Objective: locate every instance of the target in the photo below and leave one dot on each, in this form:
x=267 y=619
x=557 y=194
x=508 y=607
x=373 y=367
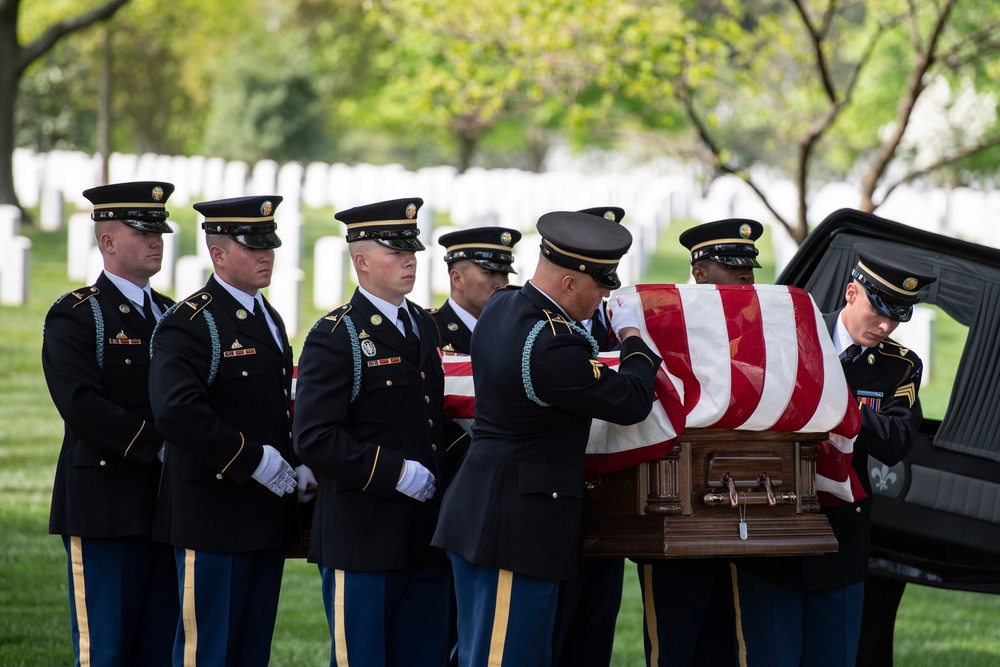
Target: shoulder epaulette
x=432 y=311
x=337 y=316
x=80 y=295
x=891 y=348
x=193 y=305
x=558 y=323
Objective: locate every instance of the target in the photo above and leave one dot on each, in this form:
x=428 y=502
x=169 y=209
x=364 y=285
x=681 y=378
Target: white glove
x=622 y=314
x=305 y=483
x=417 y=481
x=274 y=472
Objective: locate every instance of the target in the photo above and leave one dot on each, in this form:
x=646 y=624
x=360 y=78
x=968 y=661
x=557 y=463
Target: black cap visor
x=608 y=279
x=490 y=265
x=149 y=226
x=738 y=261
x=258 y=241
x=896 y=312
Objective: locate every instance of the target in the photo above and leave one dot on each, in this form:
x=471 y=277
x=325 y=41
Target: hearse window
x=964 y=308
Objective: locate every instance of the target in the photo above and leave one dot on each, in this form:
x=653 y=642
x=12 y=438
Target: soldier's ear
x=699 y=274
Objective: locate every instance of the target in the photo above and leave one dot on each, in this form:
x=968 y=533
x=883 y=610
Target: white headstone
x=190 y=275
x=264 y=179
x=234 y=180
x=123 y=167
x=28 y=169
x=440 y=279
x=289 y=221
x=79 y=242
x=314 y=192
x=329 y=255
x=16 y=256
x=50 y=214
x=284 y=296
x=163 y=281
x=289 y=184
x=211 y=188
x=10 y=223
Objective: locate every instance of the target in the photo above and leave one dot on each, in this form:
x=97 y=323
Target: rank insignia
x=242 y=352
x=383 y=362
x=241 y=314
x=376 y=320
x=124 y=309
x=368 y=347
x=452 y=326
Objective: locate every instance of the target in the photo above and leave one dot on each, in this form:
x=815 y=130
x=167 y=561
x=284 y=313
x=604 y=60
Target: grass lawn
x=935 y=627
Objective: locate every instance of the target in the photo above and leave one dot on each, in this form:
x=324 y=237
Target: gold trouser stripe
x=741 y=644
x=649 y=604
x=501 y=616
x=135 y=437
x=187 y=612
x=80 y=599
x=340 y=632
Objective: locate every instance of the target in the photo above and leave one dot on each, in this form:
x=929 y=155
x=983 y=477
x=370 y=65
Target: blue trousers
x=228 y=605
x=122 y=600
x=586 y=614
x=688 y=611
x=388 y=619
x=787 y=626
x=505 y=619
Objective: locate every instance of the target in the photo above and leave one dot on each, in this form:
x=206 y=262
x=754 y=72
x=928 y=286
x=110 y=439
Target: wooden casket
x=691 y=501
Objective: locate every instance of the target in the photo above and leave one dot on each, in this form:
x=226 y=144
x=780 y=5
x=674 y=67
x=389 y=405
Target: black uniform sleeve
x=888 y=434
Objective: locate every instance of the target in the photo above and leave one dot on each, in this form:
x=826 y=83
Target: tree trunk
x=104 y=109
x=9 y=77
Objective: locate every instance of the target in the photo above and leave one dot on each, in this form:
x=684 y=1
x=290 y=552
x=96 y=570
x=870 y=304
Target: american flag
x=744 y=357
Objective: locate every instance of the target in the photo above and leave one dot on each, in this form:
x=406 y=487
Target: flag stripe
x=741 y=313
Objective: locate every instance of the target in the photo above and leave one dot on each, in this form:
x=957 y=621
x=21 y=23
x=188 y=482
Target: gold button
x=245 y=374
x=555 y=495
x=427 y=399
x=430 y=422
x=857 y=510
x=388 y=383
x=103 y=463
x=434 y=448
x=128 y=361
x=218 y=475
x=423 y=376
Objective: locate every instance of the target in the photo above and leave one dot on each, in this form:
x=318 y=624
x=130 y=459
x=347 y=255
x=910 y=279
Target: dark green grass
x=935 y=627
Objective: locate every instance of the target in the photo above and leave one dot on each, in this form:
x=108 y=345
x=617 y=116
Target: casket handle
x=766 y=483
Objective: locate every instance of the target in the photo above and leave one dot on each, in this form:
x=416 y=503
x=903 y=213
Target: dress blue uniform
x=368 y=399
x=688 y=603
x=222 y=387
x=95 y=356
x=807 y=611
x=512 y=519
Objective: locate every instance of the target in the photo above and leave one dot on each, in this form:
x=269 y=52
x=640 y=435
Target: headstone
x=289 y=185
x=329 y=254
x=123 y=167
x=163 y=281
x=211 y=188
x=79 y=242
x=10 y=223
x=50 y=214
x=264 y=179
x=440 y=279
x=314 y=192
x=283 y=294
x=289 y=221
x=16 y=256
x=190 y=275
x=28 y=169
x=234 y=180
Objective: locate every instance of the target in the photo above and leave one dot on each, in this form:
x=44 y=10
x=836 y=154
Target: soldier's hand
x=274 y=472
x=305 y=483
x=416 y=481
x=623 y=316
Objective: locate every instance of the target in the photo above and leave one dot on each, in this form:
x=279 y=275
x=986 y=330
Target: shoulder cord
x=352 y=334
x=213 y=332
x=99 y=325
x=529 y=388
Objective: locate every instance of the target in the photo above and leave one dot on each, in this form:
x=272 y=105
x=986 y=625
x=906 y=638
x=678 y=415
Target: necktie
x=147 y=307
x=411 y=337
x=848 y=356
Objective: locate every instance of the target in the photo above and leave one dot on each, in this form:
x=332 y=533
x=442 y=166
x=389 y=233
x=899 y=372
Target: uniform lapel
x=379 y=328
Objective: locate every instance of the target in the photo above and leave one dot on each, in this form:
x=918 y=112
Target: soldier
x=511 y=522
x=723 y=252
x=369 y=422
x=479 y=263
x=95 y=355
x=688 y=603
x=220 y=375
x=807 y=611
x=589 y=601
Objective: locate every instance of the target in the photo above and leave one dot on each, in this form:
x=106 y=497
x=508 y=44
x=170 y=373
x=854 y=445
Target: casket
x=691 y=501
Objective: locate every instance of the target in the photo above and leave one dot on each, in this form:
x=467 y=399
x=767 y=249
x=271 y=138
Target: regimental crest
x=452 y=326
x=241 y=314
x=376 y=320
x=363 y=335
x=124 y=309
x=236 y=345
x=411 y=211
x=266 y=208
x=157 y=193
x=745 y=231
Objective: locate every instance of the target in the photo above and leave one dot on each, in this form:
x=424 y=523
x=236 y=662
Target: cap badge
x=124 y=309
x=368 y=347
x=157 y=193
x=910 y=283
x=745 y=230
x=266 y=208
x=610 y=215
x=505 y=238
x=452 y=326
x=871 y=359
x=375 y=320
x=236 y=345
x=411 y=211
x=241 y=314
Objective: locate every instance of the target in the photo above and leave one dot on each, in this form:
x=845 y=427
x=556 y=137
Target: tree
x=15 y=58
x=826 y=85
